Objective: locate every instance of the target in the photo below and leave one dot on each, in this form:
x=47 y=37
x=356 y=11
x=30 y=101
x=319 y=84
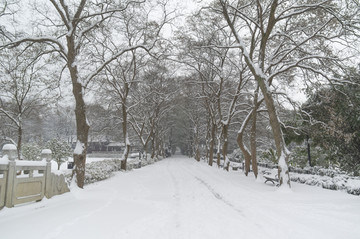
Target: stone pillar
x=46 y=154
x=11 y=152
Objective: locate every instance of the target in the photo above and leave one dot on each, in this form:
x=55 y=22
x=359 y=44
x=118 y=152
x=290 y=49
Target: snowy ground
x=181 y=198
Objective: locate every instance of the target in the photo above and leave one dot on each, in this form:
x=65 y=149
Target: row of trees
x=247 y=55
x=224 y=76
x=96 y=43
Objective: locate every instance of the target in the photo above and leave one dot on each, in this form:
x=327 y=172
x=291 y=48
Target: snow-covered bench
x=274 y=180
x=271 y=178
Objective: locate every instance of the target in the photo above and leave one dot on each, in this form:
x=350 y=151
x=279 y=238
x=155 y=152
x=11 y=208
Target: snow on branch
x=299 y=9
x=47 y=40
x=285 y=68
x=298 y=45
x=111 y=59
x=254 y=68
x=63 y=14
x=8 y=114
x=108 y=12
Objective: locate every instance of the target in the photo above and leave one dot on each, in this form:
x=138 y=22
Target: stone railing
x=24 y=181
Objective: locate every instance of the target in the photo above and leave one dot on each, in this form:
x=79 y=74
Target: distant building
x=115 y=146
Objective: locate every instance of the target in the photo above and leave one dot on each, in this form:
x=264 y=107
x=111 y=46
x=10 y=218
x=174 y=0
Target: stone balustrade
x=23 y=181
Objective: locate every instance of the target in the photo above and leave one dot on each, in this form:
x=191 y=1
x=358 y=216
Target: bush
x=269 y=156
x=61 y=150
x=31 y=151
x=100 y=170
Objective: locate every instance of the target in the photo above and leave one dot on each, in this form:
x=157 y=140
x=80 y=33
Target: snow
x=79 y=148
x=46 y=151
x=127 y=140
x=4 y=160
x=30 y=163
x=9 y=147
x=181 y=198
x=284 y=168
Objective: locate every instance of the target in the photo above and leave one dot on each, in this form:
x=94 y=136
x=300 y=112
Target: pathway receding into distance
x=181 y=198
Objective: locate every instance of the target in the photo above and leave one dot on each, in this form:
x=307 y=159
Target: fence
x=24 y=181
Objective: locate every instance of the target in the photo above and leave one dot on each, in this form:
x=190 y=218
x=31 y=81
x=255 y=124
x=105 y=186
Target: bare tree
x=159 y=99
x=74 y=30
x=220 y=76
x=25 y=87
x=283 y=41
x=123 y=74
x=7 y=9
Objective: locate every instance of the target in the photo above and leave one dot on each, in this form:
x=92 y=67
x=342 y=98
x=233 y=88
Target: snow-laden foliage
x=61 y=150
x=31 y=151
x=328 y=178
x=338 y=182
x=101 y=170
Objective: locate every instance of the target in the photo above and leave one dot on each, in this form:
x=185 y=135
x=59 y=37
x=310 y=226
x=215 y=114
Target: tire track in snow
x=218 y=196
x=176 y=196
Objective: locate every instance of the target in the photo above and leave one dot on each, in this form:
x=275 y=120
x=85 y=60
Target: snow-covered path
x=181 y=198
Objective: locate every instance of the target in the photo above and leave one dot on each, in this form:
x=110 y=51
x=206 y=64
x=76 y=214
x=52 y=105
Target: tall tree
x=282 y=41
x=73 y=30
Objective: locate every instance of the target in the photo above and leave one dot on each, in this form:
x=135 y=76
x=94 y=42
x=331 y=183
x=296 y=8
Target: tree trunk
x=153 y=146
x=281 y=151
x=308 y=149
x=82 y=126
x=126 y=139
x=197 y=154
x=243 y=148
x=144 y=152
x=218 y=152
x=245 y=152
x=253 y=135
x=197 y=146
x=208 y=136
x=212 y=144
x=253 y=147
x=82 y=130
x=19 y=141
x=225 y=146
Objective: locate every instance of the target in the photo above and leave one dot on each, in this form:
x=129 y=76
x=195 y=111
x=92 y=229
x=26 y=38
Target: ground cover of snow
x=181 y=198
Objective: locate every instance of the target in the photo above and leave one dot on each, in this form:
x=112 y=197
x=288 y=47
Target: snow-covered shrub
x=269 y=156
x=354 y=191
x=319 y=157
x=100 y=170
x=31 y=151
x=339 y=182
x=329 y=178
x=298 y=157
x=61 y=150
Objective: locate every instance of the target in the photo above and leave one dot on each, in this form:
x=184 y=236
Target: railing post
x=46 y=154
x=11 y=152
